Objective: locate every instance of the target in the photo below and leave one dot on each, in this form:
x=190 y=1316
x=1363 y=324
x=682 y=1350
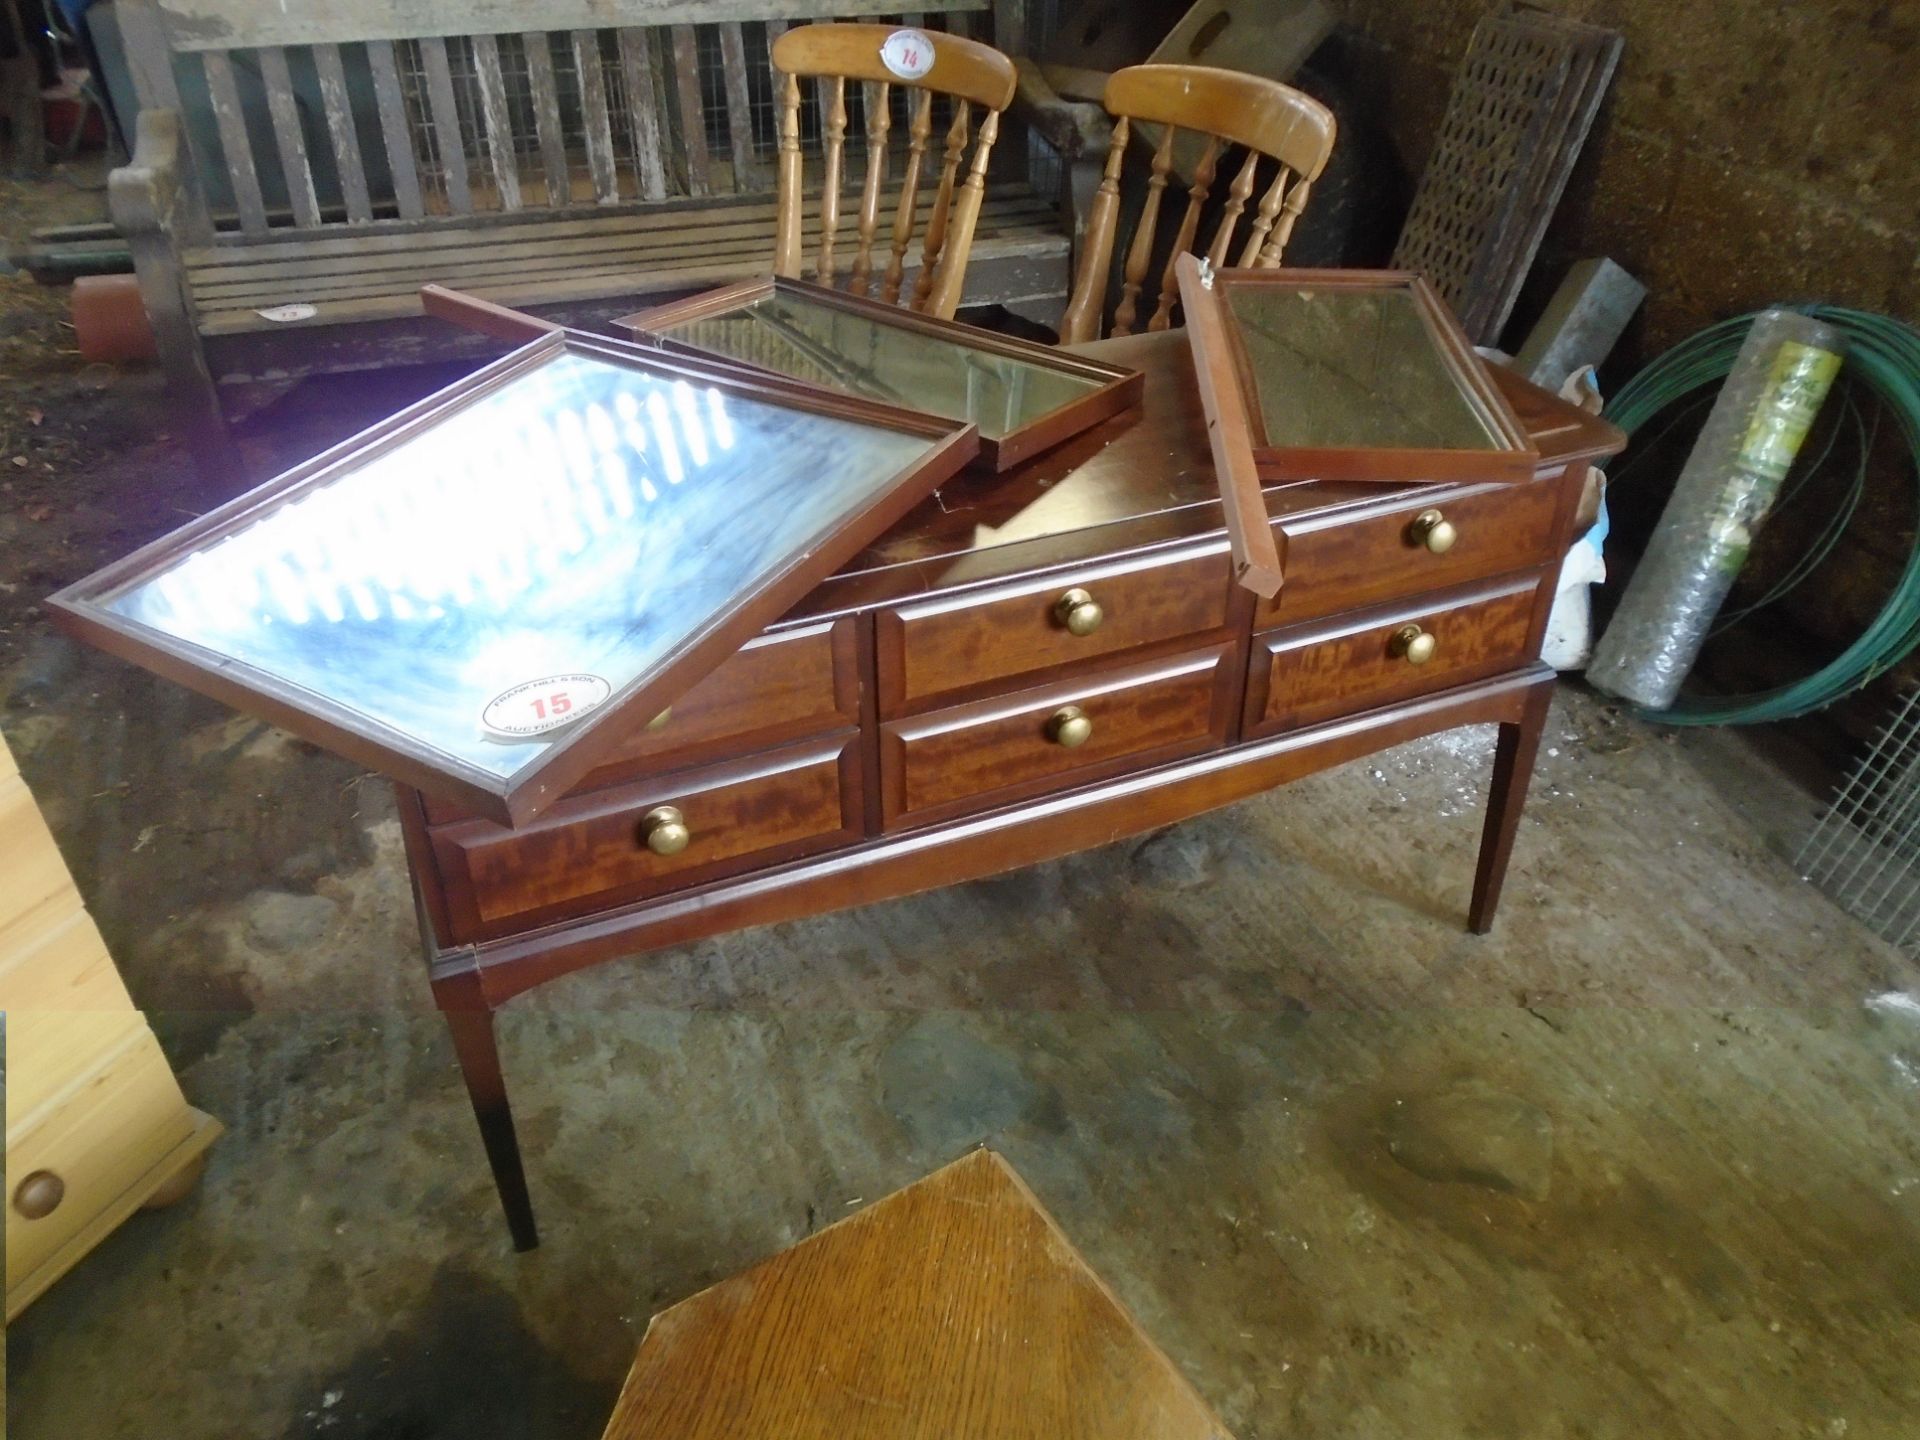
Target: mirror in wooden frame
x=472 y=595
x=1024 y=397
x=1355 y=375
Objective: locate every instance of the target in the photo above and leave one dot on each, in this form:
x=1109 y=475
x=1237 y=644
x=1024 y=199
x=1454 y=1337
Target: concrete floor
x=1642 y=1162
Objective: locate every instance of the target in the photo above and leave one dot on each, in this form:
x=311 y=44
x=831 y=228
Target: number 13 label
x=537 y=706
x=907 y=53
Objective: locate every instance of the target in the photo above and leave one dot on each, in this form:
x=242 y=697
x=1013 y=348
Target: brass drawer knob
x=664 y=830
x=1069 y=727
x=1433 y=530
x=659 y=722
x=1412 y=644
x=1079 y=612
x=39 y=1195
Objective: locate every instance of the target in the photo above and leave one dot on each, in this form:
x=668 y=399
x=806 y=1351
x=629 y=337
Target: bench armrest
x=144 y=195
x=1074 y=128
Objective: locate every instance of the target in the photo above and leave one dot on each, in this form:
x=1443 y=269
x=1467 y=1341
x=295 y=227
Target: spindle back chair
x=1273 y=123
x=965 y=71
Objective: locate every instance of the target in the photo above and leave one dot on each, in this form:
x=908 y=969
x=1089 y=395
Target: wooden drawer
x=775 y=688
x=1000 y=750
x=100 y=1138
x=947 y=646
x=1343 y=563
x=589 y=853
x=1315 y=672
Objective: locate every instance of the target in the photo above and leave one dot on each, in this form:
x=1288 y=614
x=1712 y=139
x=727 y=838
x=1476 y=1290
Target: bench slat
x=693 y=121
x=227 y=116
x=499 y=120
x=648 y=275
x=283 y=108
x=399 y=279
x=371 y=252
x=742 y=259
x=445 y=114
x=733 y=70
x=593 y=107
x=394 y=134
x=643 y=105
x=335 y=102
x=546 y=118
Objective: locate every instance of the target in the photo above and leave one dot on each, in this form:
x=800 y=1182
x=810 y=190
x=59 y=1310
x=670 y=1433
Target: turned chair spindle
x=1271 y=122
x=969 y=74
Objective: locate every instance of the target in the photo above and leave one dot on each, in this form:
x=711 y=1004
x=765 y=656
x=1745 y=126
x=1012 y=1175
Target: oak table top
x=955 y=1309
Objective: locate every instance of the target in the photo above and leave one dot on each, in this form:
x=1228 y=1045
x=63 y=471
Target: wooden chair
x=1271 y=121
x=968 y=74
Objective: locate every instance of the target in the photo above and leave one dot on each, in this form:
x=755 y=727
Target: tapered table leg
x=1513 y=759
x=471 y=1023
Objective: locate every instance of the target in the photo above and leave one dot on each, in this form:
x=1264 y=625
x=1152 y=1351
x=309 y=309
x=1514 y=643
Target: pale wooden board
x=70 y=1007
x=233 y=24
x=32 y=871
x=955 y=1307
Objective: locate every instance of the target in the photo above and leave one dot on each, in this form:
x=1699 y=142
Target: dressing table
x=1027 y=664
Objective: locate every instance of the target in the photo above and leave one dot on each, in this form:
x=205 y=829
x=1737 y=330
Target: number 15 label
x=538 y=706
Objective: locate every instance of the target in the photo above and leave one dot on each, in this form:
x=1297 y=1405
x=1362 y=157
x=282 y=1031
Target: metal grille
x=1865 y=852
x=1517 y=115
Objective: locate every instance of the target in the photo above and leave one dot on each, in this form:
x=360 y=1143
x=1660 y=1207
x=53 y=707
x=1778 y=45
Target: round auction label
x=537 y=706
x=907 y=53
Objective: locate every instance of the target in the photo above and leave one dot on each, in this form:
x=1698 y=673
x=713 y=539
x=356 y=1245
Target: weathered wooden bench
x=301 y=170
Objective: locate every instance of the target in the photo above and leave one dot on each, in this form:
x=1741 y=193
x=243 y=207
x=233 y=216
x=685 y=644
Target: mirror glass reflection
x=580 y=520
x=799 y=336
x=1352 y=369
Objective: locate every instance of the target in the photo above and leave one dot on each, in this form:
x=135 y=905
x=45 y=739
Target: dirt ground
x=1642 y=1162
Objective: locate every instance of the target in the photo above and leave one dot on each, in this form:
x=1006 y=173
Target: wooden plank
x=748 y=250
x=394 y=133
x=284 y=110
x=499 y=120
x=919 y=1306
x=445 y=114
x=338 y=107
x=743 y=244
x=362 y=251
x=1047 y=258
x=593 y=109
x=226 y=24
x=693 y=123
x=238 y=149
x=546 y=118
x=643 y=106
x=733 y=70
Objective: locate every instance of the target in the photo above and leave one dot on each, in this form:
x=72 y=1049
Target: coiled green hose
x=1882 y=353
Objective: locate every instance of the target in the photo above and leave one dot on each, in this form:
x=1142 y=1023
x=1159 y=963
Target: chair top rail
x=245 y=24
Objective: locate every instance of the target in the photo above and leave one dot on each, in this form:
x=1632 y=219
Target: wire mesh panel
x=1865 y=852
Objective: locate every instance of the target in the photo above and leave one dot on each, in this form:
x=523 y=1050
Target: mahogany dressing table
x=600 y=750
x=1027 y=665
